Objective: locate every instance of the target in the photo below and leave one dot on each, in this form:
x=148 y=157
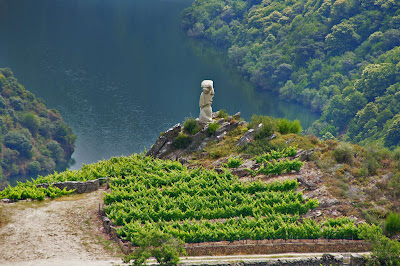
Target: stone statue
x=206 y=99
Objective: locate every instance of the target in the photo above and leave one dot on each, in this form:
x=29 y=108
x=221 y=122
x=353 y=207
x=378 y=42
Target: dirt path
x=63 y=231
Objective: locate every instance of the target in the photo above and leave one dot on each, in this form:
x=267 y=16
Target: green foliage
x=212 y=127
x=164 y=247
x=384 y=250
x=19 y=142
x=29 y=190
x=276 y=154
x=333 y=56
x=285 y=126
x=344 y=153
x=392 y=224
x=279 y=167
x=234 y=162
x=222 y=113
x=32 y=122
x=56 y=152
x=27 y=127
x=190 y=126
x=34 y=167
x=182 y=141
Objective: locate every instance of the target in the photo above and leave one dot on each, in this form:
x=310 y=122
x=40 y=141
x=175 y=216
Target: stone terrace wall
x=80 y=187
x=277 y=246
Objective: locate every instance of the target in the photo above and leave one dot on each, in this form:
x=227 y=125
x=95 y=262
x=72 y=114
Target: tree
x=19 y=142
x=375 y=78
x=32 y=122
x=392 y=137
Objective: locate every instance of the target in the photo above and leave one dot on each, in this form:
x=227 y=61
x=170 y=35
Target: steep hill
x=33 y=138
x=338 y=57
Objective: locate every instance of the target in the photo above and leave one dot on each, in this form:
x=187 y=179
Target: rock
x=215 y=114
x=226 y=127
x=107 y=223
x=183 y=160
x=219 y=170
x=92 y=185
x=304 y=155
x=246 y=138
x=5 y=200
x=167 y=148
x=165 y=137
x=221 y=121
x=308 y=182
x=273 y=136
x=327 y=202
x=219 y=138
x=237 y=115
x=357 y=260
x=230 y=118
x=240 y=172
x=198 y=138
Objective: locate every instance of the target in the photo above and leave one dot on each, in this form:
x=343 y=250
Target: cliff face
x=34 y=138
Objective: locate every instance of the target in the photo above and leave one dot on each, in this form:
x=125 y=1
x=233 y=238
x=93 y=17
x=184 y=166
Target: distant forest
x=340 y=58
x=33 y=139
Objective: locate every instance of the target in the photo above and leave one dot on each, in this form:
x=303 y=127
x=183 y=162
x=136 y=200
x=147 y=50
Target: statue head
x=207 y=83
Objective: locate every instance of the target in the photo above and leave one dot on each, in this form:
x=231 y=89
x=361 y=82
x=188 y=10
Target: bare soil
x=64 y=231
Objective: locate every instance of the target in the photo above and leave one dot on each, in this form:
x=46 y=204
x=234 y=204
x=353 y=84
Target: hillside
x=33 y=138
x=337 y=57
x=233 y=180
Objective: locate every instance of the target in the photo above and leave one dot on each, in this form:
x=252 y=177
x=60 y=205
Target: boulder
x=237 y=115
x=357 y=260
x=167 y=136
x=167 y=148
x=246 y=138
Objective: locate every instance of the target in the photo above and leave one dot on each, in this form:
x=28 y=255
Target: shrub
x=222 y=113
x=182 y=141
x=190 y=126
x=57 y=153
x=213 y=127
x=285 y=126
x=19 y=142
x=17 y=103
x=396 y=154
x=265 y=131
x=392 y=224
x=164 y=247
x=234 y=162
x=344 y=153
x=33 y=167
x=64 y=134
x=384 y=250
x=32 y=122
x=261 y=119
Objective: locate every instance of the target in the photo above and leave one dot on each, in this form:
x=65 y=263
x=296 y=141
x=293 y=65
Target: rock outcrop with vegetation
x=340 y=57
x=234 y=180
x=33 y=138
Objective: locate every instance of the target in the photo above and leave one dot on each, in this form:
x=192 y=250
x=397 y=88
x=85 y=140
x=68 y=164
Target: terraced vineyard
x=195 y=205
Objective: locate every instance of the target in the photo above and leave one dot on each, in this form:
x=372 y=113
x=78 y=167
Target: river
x=121 y=71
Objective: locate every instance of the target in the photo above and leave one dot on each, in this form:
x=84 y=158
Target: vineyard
x=195 y=205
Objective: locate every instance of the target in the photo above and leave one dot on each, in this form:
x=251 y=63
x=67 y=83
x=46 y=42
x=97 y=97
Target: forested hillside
x=337 y=57
x=33 y=139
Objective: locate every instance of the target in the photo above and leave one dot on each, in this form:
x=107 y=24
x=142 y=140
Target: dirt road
x=63 y=231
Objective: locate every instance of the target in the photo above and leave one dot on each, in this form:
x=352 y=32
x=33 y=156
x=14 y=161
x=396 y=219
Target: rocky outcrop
x=164 y=143
x=164 y=146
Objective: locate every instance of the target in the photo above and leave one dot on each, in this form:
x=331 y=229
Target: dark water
x=121 y=71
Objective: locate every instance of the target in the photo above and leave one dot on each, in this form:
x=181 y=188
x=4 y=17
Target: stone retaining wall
x=80 y=187
x=256 y=247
